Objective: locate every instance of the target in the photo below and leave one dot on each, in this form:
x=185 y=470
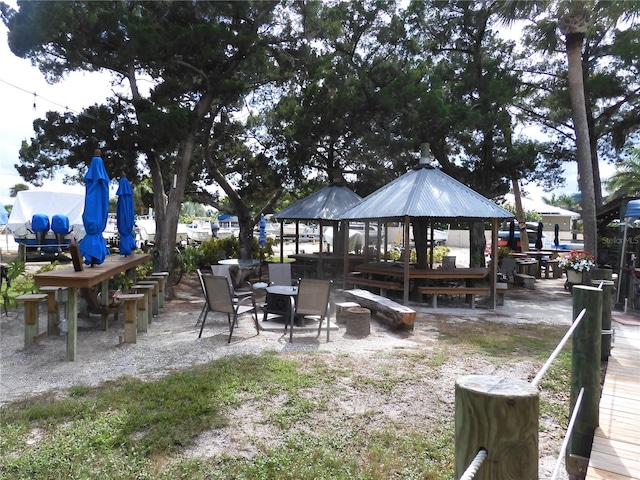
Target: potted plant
x=575 y=264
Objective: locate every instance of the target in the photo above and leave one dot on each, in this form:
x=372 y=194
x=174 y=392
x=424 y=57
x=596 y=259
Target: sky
x=19 y=80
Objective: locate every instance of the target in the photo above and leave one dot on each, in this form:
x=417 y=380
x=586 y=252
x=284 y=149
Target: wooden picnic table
x=324 y=263
x=86 y=278
x=396 y=270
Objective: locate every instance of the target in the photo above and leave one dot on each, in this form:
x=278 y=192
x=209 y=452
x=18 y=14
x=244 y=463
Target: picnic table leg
x=72 y=325
x=105 y=301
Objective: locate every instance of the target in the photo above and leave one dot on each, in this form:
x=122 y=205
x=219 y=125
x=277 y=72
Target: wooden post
x=72 y=325
x=607 y=303
x=501 y=416
x=130 y=313
x=585 y=371
x=54 y=296
x=31 y=303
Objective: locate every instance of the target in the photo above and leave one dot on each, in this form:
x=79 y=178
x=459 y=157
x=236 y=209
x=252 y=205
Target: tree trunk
x=477 y=241
x=583 y=147
x=167 y=218
x=522 y=224
x=420 y=239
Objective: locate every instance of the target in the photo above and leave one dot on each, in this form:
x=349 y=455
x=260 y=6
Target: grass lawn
x=285 y=414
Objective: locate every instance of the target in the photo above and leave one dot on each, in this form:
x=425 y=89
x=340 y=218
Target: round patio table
x=279 y=301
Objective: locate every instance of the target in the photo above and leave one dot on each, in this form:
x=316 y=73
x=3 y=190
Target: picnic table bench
x=400 y=315
x=470 y=292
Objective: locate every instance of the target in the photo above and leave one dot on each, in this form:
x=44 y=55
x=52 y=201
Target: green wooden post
x=72 y=325
x=607 y=301
x=501 y=416
x=585 y=372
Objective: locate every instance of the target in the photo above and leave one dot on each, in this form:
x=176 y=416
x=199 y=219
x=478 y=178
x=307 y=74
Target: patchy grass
x=307 y=402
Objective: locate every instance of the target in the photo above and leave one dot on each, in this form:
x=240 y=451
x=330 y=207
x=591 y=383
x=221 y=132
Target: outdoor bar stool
x=31 y=314
x=163 y=286
x=130 y=314
x=161 y=280
x=55 y=297
x=155 y=302
x=144 y=308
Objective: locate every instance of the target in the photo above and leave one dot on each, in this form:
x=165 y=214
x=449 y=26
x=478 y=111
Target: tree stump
x=358 y=321
x=341 y=310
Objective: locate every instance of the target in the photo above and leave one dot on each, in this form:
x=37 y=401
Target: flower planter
x=574 y=277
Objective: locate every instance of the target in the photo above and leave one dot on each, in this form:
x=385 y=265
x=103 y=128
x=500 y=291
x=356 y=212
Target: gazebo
x=425 y=195
x=325 y=205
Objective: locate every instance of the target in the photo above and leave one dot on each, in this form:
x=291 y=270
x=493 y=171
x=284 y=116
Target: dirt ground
x=171 y=343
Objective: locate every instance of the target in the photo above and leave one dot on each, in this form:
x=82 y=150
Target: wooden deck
x=614 y=454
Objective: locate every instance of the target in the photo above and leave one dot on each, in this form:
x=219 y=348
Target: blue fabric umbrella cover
x=93 y=246
x=262 y=236
x=125 y=217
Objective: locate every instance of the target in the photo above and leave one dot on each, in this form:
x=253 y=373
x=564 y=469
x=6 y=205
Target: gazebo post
x=493 y=273
x=281 y=241
x=407 y=258
x=345 y=252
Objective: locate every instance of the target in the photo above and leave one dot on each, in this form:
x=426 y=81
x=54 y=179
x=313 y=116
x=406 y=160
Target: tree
x=625 y=182
x=196 y=67
x=18 y=187
x=574 y=23
x=462 y=103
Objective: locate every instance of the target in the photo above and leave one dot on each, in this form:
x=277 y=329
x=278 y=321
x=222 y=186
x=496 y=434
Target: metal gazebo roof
x=325 y=204
x=425 y=192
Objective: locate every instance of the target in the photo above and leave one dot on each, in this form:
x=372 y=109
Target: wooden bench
x=470 y=291
x=383 y=285
x=400 y=316
x=527 y=281
x=501 y=288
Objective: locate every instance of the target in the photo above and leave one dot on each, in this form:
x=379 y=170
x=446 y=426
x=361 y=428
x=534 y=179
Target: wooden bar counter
x=85 y=278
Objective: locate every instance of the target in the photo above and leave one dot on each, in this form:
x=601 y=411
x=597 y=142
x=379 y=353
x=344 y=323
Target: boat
x=110 y=233
x=47 y=222
x=199 y=230
x=145 y=227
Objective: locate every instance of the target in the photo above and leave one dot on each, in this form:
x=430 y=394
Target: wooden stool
x=31 y=305
x=55 y=296
x=160 y=280
x=155 y=300
x=144 y=308
x=130 y=314
x=163 y=284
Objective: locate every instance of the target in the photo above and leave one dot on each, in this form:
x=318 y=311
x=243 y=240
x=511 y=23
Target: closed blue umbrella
x=93 y=246
x=539 y=237
x=125 y=217
x=262 y=236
